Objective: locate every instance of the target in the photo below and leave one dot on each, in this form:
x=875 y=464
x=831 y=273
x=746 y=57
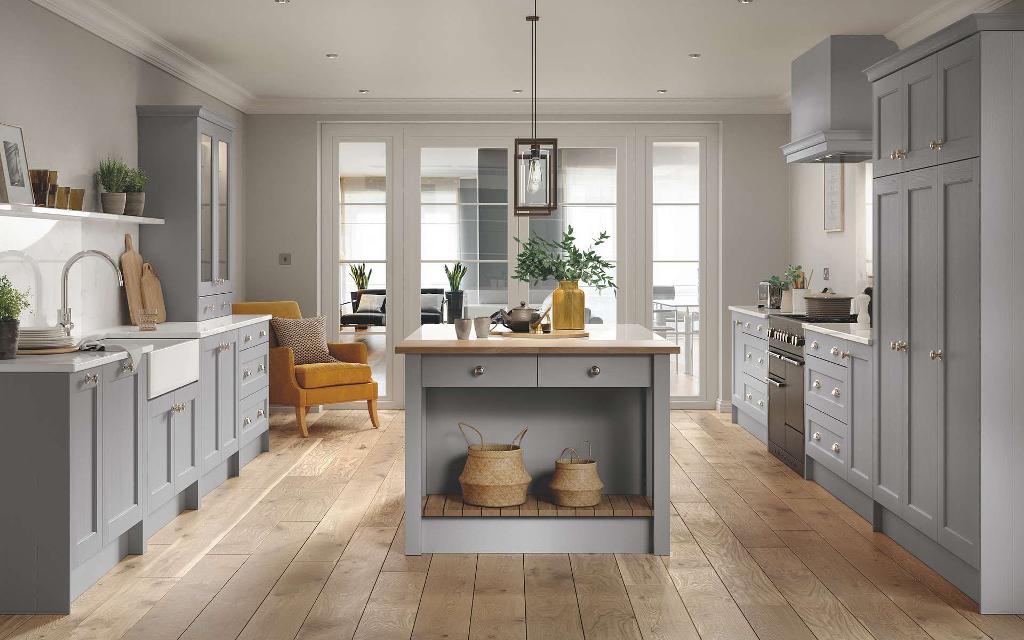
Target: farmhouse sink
x=172 y=363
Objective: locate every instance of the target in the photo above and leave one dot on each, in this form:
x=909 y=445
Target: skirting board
x=537 y=535
x=758 y=430
x=841 y=489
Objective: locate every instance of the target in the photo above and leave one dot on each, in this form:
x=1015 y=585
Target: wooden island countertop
x=604 y=338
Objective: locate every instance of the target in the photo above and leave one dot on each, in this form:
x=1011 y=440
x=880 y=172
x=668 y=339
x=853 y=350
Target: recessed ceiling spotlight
x=331 y=56
x=695 y=56
x=282 y=1
x=746 y=1
x=517 y=91
x=662 y=90
x=364 y=91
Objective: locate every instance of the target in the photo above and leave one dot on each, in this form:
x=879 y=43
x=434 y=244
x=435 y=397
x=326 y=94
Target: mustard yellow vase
x=567 y=306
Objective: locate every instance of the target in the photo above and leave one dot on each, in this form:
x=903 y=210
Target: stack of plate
x=31 y=338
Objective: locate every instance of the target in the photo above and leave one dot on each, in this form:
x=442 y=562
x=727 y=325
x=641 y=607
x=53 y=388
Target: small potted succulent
x=455 y=297
x=112 y=176
x=12 y=303
x=135 y=192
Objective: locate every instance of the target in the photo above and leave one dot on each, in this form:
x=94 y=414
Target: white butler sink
x=172 y=363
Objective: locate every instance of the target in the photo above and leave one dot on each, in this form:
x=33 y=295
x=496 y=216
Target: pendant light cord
x=534 y=19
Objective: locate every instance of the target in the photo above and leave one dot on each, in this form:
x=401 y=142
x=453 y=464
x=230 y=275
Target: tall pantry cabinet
x=936 y=201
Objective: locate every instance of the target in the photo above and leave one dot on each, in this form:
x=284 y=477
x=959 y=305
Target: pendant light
x=536 y=166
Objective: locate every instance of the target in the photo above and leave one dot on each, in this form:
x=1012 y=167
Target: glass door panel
x=223 y=194
x=205 y=208
x=587 y=202
x=464 y=217
x=676 y=227
x=363 y=249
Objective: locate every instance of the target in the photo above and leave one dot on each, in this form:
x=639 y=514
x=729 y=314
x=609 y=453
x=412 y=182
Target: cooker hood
x=830 y=117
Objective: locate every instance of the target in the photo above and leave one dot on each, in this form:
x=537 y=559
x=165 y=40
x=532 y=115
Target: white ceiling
x=479 y=49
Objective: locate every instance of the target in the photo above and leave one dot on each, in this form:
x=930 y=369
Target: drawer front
x=594 y=371
x=755 y=357
x=825 y=388
x=215 y=306
x=755 y=327
x=254 y=335
x=754 y=396
x=479 y=371
x=253 y=370
x=253 y=416
x=834 y=350
x=824 y=444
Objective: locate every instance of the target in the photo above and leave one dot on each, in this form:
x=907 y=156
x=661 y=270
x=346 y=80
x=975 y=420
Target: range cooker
x=786 y=386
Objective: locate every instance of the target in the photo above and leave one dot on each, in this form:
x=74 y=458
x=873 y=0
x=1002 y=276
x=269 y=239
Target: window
x=464 y=217
x=587 y=201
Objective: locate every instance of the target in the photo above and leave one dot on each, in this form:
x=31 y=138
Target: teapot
x=518 y=319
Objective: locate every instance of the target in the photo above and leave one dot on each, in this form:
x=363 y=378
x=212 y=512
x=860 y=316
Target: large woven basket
x=576 y=482
x=494 y=475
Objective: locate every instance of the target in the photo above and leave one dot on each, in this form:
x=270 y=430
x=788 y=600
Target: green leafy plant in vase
x=455 y=296
x=12 y=303
x=541 y=260
x=113 y=177
x=135 y=192
x=360 y=275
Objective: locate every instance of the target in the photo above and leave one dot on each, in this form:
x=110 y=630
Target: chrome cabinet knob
x=834 y=351
x=835 y=392
x=845 y=355
x=817 y=436
x=935 y=355
x=747 y=356
x=739 y=323
x=247 y=338
x=750 y=396
x=247 y=421
x=936 y=145
x=263 y=333
x=816 y=384
x=127 y=367
x=594 y=371
x=835 y=447
x=760 y=403
x=261 y=413
x=261 y=368
x=91 y=378
x=478 y=370
x=746 y=325
x=760 y=328
x=246 y=373
x=814 y=344
x=760 y=361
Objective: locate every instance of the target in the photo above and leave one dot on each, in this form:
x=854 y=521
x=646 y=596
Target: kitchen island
x=610 y=389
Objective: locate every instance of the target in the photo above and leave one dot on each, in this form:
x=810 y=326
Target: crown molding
x=101 y=20
x=937 y=17
x=548 y=107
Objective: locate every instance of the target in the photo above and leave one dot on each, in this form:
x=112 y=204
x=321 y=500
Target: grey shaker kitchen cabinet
x=861 y=393
x=929 y=112
x=173 y=447
x=123 y=445
x=219 y=433
x=928 y=260
x=188 y=153
x=84 y=414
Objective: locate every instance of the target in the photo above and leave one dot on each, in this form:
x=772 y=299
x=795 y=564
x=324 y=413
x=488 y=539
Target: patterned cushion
x=306 y=337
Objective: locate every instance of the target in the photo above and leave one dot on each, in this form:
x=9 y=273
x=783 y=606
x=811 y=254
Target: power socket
x=826 y=274
x=285 y=259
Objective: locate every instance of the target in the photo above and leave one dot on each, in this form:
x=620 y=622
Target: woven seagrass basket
x=494 y=475
x=576 y=482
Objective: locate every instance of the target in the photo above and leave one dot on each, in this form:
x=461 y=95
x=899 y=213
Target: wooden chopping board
x=153 y=293
x=131 y=270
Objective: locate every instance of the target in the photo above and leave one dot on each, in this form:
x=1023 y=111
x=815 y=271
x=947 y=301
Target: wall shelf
x=46 y=213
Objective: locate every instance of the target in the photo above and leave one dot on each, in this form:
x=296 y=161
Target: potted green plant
x=135 y=192
x=360 y=275
x=12 y=303
x=112 y=175
x=455 y=296
x=540 y=260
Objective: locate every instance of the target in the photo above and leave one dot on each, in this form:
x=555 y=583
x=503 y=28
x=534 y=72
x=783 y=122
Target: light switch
x=285 y=259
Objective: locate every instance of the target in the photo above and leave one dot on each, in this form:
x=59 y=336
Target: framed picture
x=834 y=217
x=17 y=187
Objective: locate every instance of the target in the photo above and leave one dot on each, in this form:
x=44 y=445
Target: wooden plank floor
x=308 y=544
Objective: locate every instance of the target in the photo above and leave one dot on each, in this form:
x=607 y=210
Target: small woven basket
x=576 y=482
x=494 y=475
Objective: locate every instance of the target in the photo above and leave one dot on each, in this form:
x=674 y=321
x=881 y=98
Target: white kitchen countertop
x=82 y=360
x=603 y=338
x=757 y=312
x=853 y=332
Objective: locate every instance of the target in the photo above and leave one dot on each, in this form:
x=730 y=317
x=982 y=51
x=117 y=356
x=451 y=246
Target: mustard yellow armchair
x=305 y=385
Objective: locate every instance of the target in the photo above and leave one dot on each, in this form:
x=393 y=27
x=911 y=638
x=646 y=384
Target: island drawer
x=594 y=371
x=479 y=371
x=253 y=365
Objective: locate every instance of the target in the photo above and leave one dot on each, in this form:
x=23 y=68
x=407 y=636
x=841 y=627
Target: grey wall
x=74 y=96
x=282 y=209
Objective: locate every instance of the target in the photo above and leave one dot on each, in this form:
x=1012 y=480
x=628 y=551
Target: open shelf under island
x=610 y=389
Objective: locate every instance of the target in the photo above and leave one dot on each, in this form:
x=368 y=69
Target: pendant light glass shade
x=536 y=176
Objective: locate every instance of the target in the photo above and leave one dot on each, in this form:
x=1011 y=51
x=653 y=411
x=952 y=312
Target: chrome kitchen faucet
x=65 y=310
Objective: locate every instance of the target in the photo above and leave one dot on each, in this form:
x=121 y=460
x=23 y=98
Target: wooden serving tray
x=47 y=352
x=559 y=333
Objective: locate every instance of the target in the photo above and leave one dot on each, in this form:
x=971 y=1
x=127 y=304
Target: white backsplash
x=32 y=255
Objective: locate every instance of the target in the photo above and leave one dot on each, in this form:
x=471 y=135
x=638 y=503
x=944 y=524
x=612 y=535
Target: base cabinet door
x=122 y=448
x=184 y=424
x=85 y=413
x=160 y=450
x=218 y=434
x=860 y=446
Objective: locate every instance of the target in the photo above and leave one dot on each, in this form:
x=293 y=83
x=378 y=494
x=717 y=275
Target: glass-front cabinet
x=187 y=153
